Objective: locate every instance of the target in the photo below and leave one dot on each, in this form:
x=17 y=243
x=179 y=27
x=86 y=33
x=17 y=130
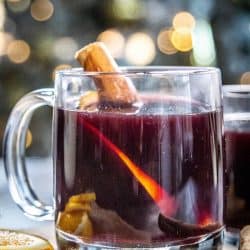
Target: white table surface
x=11 y=217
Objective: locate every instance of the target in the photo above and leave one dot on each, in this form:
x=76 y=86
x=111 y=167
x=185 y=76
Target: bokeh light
x=184 y=20
x=183 y=25
x=245 y=78
x=2 y=15
x=5 y=39
x=42 y=10
x=18 y=51
x=64 y=48
x=114 y=41
x=140 y=49
x=127 y=9
x=164 y=42
x=204 y=53
x=28 y=139
x=182 y=39
x=60 y=67
x=18 y=5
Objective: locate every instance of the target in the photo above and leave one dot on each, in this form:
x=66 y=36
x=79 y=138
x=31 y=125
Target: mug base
x=212 y=241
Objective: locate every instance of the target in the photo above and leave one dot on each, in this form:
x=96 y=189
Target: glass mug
x=146 y=176
x=237 y=159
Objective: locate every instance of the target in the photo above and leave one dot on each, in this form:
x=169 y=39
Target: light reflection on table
x=11 y=217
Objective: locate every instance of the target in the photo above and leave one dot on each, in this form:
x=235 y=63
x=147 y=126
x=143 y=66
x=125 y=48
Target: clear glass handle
x=14 y=154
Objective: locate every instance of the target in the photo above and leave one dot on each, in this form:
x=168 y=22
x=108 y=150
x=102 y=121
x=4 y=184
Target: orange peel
x=84 y=197
x=17 y=240
x=72 y=206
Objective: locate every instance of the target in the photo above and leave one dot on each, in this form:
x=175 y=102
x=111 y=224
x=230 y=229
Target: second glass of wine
x=237 y=157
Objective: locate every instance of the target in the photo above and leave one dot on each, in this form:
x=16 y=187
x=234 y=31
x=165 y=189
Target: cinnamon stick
x=112 y=89
x=174 y=227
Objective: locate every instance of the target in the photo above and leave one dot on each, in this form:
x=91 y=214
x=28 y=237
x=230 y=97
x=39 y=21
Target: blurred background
x=39 y=36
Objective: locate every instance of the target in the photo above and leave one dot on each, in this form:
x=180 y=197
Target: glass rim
x=236 y=90
x=140 y=71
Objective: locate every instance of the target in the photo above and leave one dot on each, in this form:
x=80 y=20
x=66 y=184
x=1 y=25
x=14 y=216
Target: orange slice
x=85 y=227
x=88 y=99
x=69 y=222
x=76 y=222
x=73 y=206
x=84 y=197
x=17 y=240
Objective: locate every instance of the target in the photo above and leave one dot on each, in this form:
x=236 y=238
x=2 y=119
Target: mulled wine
x=147 y=176
x=137 y=155
x=237 y=166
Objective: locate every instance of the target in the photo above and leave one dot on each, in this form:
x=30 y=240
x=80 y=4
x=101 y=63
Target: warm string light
x=182 y=39
x=64 y=48
x=114 y=40
x=183 y=24
x=42 y=10
x=183 y=20
x=2 y=15
x=179 y=37
x=164 y=42
x=127 y=10
x=18 y=5
x=18 y=51
x=245 y=78
x=140 y=49
x=5 y=39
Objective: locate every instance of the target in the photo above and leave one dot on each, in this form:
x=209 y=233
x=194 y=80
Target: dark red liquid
x=180 y=151
x=237 y=163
